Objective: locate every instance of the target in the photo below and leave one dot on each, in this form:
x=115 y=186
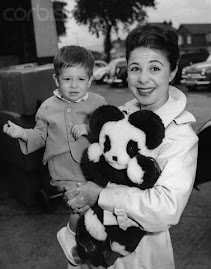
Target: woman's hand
x=82 y=197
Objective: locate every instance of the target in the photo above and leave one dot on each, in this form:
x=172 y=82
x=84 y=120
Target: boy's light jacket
x=157 y=209
x=54 y=121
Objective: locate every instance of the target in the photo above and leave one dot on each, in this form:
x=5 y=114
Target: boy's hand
x=79 y=130
x=15 y=131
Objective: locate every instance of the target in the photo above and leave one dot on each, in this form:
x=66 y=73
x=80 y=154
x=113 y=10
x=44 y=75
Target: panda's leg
x=94 y=225
x=124 y=242
x=90 y=238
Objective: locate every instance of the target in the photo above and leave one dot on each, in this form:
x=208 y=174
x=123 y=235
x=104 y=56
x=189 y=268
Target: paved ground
x=28 y=235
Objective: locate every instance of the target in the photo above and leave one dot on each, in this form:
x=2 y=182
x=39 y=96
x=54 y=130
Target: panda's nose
x=115 y=158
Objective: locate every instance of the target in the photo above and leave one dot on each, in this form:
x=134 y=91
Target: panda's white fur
x=135 y=172
x=120 y=133
x=94 y=226
x=116 y=247
x=94 y=152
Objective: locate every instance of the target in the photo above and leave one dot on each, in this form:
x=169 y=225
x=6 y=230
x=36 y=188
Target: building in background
x=194 y=36
x=28 y=32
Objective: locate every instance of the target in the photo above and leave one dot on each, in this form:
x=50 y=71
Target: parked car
x=101 y=71
x=188 y=58
x=118 y=72
x=197 y=75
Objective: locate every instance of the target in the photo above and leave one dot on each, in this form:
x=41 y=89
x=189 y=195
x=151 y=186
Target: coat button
x=72 y=139
x=68 y=110
x=70 y=124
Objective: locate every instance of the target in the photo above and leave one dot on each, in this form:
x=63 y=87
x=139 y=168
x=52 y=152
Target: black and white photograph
x=105 y=134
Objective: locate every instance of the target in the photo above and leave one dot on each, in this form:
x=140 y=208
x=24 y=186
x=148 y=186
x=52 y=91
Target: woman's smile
x=145 y=91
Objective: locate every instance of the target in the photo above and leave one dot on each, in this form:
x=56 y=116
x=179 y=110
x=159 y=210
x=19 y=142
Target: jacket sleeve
x=36 y=136
x=100 y=102
x=158 y=208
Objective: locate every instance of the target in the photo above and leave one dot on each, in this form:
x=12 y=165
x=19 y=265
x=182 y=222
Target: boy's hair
x=162 y=38
x=72 y=56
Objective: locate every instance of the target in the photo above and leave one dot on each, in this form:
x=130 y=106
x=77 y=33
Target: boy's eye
x=134 y=69
x=82 y=79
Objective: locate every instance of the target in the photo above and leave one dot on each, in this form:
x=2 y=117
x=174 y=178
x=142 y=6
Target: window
x=189 y=39
x=180 y=40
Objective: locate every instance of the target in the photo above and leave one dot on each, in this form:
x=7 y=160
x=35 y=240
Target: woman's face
x=149 y=75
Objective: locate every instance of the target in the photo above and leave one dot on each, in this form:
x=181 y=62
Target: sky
x=178 y=11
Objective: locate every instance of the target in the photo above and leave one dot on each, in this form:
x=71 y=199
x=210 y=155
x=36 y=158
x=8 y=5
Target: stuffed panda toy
x=118 y=156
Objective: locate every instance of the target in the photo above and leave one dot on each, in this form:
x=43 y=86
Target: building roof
x=197 y=28
x=168 y=24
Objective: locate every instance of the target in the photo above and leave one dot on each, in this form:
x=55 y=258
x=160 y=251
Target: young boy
x=62 y=127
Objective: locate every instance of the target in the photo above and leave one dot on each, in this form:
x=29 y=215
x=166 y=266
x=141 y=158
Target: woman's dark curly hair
x=162 y=38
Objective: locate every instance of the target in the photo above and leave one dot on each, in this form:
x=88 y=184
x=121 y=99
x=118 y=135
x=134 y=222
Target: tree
x=104 y=16
x=61 y=15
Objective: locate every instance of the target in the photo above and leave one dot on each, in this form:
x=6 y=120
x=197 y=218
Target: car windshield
x=122 y=63
x=100 y=64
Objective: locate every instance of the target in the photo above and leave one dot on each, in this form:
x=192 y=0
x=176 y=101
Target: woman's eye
x=82 y=79
x=155 y=68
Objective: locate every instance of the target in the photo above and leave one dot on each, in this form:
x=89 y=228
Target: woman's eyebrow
x=151 y=61
x=156 y=61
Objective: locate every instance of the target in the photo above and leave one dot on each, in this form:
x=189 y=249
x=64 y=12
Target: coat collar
x=174 y=106
x=58 y=95
x=173 y=109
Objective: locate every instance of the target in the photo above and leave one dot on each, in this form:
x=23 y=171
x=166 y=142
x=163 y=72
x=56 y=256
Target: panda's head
x=121 y=137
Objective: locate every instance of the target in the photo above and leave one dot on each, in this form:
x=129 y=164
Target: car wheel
x=124 y=83
x=191 y=88
x=99 y=82
x=105 y=78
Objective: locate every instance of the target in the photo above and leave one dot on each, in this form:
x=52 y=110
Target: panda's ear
x=102 y=115
x=151 y=124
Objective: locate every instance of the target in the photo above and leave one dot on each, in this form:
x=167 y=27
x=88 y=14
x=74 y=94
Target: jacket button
x=70 y=124
x=68 y=109
x=72 y=139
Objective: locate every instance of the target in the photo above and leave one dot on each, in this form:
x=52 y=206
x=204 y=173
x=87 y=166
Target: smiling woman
x=152 y=55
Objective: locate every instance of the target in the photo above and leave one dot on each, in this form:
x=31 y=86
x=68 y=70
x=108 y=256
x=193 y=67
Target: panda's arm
x=158 y=208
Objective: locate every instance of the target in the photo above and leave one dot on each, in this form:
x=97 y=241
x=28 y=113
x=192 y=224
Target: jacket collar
x=173 y=109
x=174 y=106
x=58 y=95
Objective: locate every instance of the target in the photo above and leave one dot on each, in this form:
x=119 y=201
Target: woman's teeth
x=145 y=90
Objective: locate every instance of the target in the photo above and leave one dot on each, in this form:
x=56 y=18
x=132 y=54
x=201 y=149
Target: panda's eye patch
x=107 y=144
x=132 y=148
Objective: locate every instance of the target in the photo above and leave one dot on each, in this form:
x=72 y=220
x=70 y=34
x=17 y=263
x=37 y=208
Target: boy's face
x=73 y=82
